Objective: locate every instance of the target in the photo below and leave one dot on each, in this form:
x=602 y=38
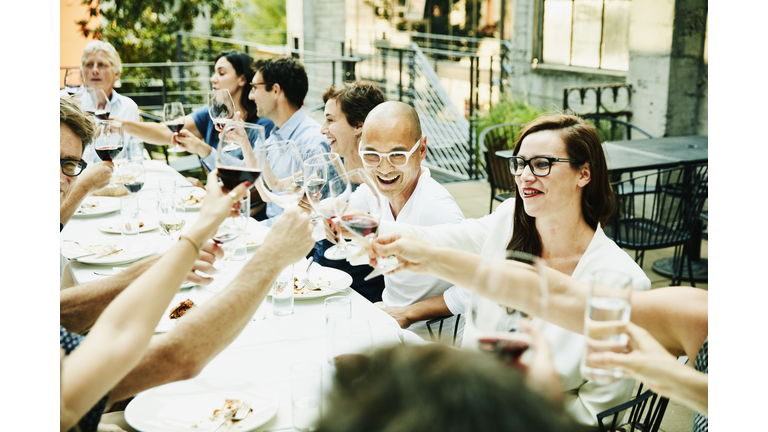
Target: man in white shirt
x=392 y=148
x=101 y=67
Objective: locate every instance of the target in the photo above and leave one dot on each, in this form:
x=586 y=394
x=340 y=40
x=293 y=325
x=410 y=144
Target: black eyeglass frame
x=254 y=85
x=79 y=163
x=551 y=160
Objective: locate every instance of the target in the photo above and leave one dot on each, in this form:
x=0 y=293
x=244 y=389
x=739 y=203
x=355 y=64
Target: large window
x=587 y=33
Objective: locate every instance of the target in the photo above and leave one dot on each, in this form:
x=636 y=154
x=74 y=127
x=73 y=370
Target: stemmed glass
x=108 y=141
x=133 y=176
x=173 y=117
x=73 y=82
x=171 y=215
x=361 y=217
x=221 y=108
x=320 y=171
x=494 y=327
x=97 y=103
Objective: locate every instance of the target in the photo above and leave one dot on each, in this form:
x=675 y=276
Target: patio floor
x=473 y=198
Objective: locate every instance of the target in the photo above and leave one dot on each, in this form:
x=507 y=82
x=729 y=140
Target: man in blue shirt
x=279 y=88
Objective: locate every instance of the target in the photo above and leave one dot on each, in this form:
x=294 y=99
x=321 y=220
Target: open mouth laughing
x=387 y=180
x=530 y=192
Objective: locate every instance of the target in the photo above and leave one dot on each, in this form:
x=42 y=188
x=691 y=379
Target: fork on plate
x=242 y=412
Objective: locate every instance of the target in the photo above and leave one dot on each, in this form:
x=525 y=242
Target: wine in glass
x=173 y=117
x=221 y=108
x=97 y=103
x=171 y=215
x=73 y=82
x=108 y=141
x=494 y=327
x=133 y=176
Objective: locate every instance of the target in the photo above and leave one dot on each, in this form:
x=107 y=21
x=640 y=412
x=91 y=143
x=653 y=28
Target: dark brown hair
x=356 y=99
x=582 y=143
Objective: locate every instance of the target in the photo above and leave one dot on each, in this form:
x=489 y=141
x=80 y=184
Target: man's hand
x=290 y=238
x=195 y=182
x=208 y=255
x=398 y=313
x=191 y=143
x=96 y=176
x=410 y=250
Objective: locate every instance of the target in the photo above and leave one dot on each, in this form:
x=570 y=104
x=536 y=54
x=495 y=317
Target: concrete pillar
x=666 y=40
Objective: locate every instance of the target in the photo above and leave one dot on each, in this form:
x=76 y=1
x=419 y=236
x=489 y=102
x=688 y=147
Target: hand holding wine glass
x=221 y=108
x=173 y=117
x=108 y=141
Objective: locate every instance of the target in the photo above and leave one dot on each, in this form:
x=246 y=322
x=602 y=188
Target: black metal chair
x=646 y=413
x=661 y=218
x=612 y=129
x=495 y=138
x=441 y=320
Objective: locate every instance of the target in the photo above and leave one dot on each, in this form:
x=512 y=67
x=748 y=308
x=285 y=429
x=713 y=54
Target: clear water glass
x=306 y=395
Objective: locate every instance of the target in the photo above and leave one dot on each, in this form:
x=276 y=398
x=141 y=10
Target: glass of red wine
x=495 y=327
x=173 y=117
x=108 y=141
x=221 y=108
x=97 y=103
x=133 y=176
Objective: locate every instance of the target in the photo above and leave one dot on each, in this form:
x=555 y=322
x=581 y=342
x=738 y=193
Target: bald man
x=392 y=148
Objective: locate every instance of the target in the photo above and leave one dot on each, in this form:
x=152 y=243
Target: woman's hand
x=208 y=255
x=290 y=238
x=217 y=206
x=191 y=143
x=413 y=252
x=541 y=375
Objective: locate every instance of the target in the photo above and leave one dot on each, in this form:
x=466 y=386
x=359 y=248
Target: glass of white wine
x=171 y=215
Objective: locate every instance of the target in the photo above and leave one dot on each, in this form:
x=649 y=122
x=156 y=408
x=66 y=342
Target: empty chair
x=659 y=210
x=493 y=139
x=646 y=413
x=612 y=129
x=441 y=320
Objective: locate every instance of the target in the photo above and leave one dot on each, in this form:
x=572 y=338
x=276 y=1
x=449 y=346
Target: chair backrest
x=612 y=129
x=494 y=138
x=646 y=413
x=659 y=209
x=441 y=320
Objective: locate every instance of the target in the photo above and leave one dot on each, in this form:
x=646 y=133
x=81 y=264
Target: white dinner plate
x=186 y=406
x=114 y=226
x=187 y=193
x=95 y=206
x=322 y=277
x=70 y=250
x=256 y=234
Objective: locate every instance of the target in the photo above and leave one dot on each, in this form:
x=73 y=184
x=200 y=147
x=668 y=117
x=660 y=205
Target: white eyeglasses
x=396 y=158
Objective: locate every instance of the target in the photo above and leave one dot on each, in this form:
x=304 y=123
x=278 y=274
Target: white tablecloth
x=266 y=348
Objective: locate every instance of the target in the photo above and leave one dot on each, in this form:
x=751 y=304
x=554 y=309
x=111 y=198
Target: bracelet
x=198 y=247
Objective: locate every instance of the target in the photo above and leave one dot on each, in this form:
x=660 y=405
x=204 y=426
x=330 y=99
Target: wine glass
x=73 y=82
x=494 y=327
x=97 y=103
x=320 y=171
x=221 y=108
x=171 y=215
x=133 y=176
x=240 y=135
x=360 y=213
x=108 y=141
x=281 y=164
x=173 y=117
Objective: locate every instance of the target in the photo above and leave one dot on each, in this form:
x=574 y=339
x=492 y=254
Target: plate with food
x=95 y=206
x=114 y=226
x=199 y=404
x=106 y=253
x=193 y=198
x=325 y=278
x=256 y=234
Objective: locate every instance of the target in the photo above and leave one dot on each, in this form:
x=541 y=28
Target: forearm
x=152 y=133
x=690 y=388
x=211 y=327
x=427 y=310
x=81 y=305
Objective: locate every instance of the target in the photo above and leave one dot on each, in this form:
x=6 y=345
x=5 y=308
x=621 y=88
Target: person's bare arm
x=93 y=178
x=205 y=331
x=81 y=305
x=156 y=133
x=421 y=311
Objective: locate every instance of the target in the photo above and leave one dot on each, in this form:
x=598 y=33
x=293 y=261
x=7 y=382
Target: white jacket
x=489 y=236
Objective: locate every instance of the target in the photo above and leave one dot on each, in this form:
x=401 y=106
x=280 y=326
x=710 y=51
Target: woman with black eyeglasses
x=562 y=195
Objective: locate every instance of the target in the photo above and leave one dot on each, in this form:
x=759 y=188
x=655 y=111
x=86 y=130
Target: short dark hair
x=77 y=120
x=287 y=72
x=243 y=65
x=435 y=387
x=356 y=99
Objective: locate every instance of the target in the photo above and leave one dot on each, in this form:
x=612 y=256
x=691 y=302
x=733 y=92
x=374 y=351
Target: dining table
x=633 y=156
x=257 y=362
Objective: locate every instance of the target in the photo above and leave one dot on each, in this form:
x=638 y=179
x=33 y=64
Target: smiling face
x=70 y=148
x=225 y=77
x=387 y=135
x=341 y=136
x=98 y=73
x=556 y=192
x=266 y=100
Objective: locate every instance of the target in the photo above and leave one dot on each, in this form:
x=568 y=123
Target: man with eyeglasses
x=75 y=181
x=392 y=147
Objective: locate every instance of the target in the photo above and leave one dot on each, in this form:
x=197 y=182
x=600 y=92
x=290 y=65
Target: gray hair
x=106 y=48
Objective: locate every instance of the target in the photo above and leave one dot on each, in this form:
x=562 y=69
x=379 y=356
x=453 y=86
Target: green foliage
x=262 y=21
x=508 y=111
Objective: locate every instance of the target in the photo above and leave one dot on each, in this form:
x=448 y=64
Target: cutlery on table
x=242 y=412
x=307 y=283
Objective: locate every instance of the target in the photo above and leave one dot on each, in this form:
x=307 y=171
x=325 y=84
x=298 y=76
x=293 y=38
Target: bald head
x=392 y=113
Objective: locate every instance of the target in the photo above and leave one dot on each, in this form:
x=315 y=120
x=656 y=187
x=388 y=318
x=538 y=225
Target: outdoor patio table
x=264 y=351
